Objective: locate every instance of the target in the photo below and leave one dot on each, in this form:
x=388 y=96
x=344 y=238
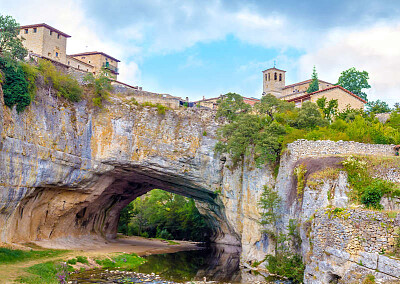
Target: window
x=68 y=62
x=51 y=32
x=269 y=77
x=78 y=67
x=26 y=31
x=89 y=61
x=56 y=54
x=280 y=77
x=34 y=30
x=266 y=77
x=58 y=36
x=275 y=76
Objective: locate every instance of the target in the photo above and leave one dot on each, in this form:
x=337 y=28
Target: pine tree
x=314 y=85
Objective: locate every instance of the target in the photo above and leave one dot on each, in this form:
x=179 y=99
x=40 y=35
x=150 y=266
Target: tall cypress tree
x=314 y=85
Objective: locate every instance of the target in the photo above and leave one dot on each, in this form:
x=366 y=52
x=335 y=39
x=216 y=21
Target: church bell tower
x=273 y=81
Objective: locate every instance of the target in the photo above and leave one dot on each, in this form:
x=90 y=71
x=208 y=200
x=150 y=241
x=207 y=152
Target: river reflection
x=216 y=263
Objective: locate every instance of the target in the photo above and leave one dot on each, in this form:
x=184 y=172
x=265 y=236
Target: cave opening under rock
x=93 y=208
x=164 y=215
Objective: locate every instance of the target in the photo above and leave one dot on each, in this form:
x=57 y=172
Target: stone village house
x=274 y=83
x=44 y=41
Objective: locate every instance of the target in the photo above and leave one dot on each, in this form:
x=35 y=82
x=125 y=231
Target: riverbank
x=127 y=244
x=91 y=248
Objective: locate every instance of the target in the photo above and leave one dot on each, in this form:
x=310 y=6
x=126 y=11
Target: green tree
x=354 y=81
x=165 y=215
x=314 y=85
x=378 y=106
x=309 y=117
x=10 y=45
x=270 y=105
x=231 y=105
x=329 y=109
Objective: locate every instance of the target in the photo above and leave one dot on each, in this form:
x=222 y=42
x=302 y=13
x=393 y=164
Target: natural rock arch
x=69 y=169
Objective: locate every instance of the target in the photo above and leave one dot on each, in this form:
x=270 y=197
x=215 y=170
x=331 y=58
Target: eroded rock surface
x=68 y=169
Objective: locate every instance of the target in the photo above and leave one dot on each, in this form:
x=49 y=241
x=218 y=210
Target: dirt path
x=91 y=248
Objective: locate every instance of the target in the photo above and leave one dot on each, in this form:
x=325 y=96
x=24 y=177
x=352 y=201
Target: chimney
x=187 y=99
x=204 y=98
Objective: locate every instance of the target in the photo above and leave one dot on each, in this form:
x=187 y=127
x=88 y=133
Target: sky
x=211 y=47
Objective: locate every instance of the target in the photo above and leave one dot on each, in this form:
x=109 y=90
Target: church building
x=274 y=83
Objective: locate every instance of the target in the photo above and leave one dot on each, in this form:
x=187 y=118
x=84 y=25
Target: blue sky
x=205 y=48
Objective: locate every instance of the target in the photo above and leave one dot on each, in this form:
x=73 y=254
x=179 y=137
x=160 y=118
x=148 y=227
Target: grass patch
x=160 y=108
x=48 y=272
x=11 y=256
x=125 y=261
x=367 y=189
x=82 y=259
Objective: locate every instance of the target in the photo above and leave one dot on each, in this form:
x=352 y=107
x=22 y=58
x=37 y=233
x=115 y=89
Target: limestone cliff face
x=68 y=169
x=350 y=243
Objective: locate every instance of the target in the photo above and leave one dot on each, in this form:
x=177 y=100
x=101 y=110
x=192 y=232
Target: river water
x=216 y=263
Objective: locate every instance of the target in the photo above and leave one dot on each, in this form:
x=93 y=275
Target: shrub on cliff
x=15 y=85
x=65 y=85
x=100 y=86
x=366 y=189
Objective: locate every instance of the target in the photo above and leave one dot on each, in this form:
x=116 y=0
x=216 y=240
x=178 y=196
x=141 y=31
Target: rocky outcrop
x=68 y=169
x=346 y=244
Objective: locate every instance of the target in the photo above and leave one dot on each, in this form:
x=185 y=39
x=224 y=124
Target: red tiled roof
x=46 y=26
x=306 y=96
x=119 y=82
x=250 y=101
x=273 y=68
x=79 y=60
x=305 y=82
x=93 y=53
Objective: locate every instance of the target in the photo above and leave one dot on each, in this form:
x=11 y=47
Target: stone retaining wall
x=144 y=96
x=351 y=244
x=304 y=147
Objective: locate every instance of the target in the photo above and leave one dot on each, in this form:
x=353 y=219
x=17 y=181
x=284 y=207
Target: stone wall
x=350 y=244
x=144 y=96
x=302 y=147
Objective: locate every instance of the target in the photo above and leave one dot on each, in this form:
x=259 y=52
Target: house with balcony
x=99 y=60
x=42 y=40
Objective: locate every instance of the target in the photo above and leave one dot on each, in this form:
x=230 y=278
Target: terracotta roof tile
x=93 y=53
x=306 y=96
x=46 y=26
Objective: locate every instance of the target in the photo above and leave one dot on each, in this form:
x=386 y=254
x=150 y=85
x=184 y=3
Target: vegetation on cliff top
x=160 y=214
x=264 y=129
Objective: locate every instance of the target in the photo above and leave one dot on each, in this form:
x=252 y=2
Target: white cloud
x=374 y=49
x=129 y=73
x=175 y=27
x=69 y=17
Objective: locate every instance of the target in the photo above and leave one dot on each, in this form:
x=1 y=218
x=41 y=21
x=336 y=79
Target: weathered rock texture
x=347 y=246
x=68 y=169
